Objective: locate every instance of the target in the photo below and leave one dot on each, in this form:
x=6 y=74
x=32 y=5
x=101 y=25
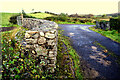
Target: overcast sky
x=61 y=6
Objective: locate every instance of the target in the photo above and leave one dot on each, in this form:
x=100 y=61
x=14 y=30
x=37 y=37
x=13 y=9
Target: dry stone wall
x=103 y=25
x=38 y=24
x=41 y=41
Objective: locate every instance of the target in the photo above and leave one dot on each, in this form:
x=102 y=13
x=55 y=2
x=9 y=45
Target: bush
x=59 y=18
x=13 y=19
x=62 y=18
x=115 y=24
x=82 y=21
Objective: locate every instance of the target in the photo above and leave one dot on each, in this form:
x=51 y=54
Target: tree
x=23 y=12
x=104 y=15
x=63 y=15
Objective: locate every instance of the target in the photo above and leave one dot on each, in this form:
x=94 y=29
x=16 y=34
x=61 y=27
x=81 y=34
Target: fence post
x=21 y=19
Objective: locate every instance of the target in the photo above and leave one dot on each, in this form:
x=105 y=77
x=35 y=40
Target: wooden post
x=22 y=19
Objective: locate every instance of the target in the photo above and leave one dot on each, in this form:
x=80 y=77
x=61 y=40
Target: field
x=40 y=15
x=6 y=17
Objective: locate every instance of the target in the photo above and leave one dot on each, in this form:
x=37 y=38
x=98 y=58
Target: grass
x=5 y=19
x=68 y=51
x=15 y=63
x=40 y=15
x=88 y=23
x=112 y=34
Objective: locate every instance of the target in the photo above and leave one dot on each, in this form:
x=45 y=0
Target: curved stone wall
x=41 y=40
x=38 y=23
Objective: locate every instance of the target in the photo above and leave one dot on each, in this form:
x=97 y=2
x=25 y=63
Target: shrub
x=13 y=19
x=115 y=24
x=82 y=21
x=58 y=18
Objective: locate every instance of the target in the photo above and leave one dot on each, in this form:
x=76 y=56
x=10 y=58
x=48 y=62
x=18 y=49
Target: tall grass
x=70 y=51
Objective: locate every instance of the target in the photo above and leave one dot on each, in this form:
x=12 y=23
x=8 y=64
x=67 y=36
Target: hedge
x=115 y=24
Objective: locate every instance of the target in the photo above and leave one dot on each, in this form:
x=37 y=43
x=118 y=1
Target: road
x=95 y=62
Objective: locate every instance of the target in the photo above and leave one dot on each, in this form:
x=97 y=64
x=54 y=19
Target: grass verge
x=88 y=23
x=113 y=34
x=65 y=50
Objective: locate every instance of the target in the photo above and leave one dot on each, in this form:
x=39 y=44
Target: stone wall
x=38 y=24
x=103 y=25
x=41 y=41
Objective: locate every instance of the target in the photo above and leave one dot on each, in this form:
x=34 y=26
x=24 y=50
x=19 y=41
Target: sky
x=95 y=7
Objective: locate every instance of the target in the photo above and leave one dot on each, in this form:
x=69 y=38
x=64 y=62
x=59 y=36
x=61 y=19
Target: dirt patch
x=2 y=29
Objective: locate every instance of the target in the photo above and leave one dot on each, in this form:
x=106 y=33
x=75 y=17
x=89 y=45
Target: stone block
x=48 y=61
x=49 y=35
x=54 y=57
x=29 y=46
x=31 y=32
x=53 y=31
x=34 y=41
x=35 y=45
x=51 y=52
x=51 y=42
x=33 y=52
x=51 y=65
x=55 y=48
x=29 y=40
x=52 y=61
x=27 y=35
x=42 y=34
x=51 y=55
x=41 y=51
x=56 y=26
x=41 y=40
x=35 y=36
x=52 y=70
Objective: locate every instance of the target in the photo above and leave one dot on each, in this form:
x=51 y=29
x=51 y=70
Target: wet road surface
x=96 y=64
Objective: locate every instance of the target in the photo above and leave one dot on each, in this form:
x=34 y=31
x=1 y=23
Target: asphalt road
x=96 y=64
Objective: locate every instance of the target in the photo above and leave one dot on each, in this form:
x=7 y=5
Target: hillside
x=40 y=15
x=112 y=14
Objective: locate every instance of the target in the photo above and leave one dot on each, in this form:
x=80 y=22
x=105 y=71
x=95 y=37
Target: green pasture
x=40 y=15
x=5 y=17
